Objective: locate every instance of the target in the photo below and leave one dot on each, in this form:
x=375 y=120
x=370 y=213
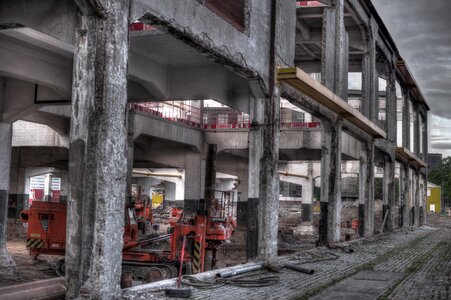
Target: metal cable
x=239 y=281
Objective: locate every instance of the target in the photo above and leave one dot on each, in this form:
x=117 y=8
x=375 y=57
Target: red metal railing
x=184 y=112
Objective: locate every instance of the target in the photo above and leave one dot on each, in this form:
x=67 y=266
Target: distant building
x=434 y=161
x=434 y=196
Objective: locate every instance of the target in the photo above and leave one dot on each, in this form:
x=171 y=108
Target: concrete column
x=416 y=212
x=362 y=188
x=257 y=110
x=425 y=140
x=334 y=60
x=98 y=153
x=130 y=148
x=388 y=187
x=268 y=210
x=307 y=198
x=330 y=217
x=406 y=195
x=194 y=180
x=7 y=264
x=370 y=81
x=391 y=107
x=416 y=130
x=405 y=120
x=369 y=191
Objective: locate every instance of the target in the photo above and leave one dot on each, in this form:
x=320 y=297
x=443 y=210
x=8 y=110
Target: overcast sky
x=422 y=32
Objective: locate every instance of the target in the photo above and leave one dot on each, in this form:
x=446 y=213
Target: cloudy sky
x=422 y=32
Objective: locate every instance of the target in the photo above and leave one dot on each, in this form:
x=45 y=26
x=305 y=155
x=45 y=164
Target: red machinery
x=47 y=232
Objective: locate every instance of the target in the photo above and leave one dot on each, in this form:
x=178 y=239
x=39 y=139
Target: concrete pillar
x=130 y=148
x=334 y=60
x=370 y=81
x=307 y=198
x=98 y=153
x=388 y=187
x=369 y=191
x=406 y=194
x=425 y=141
x=330 y=217
x=7 y=264
x=416 y=130
x=391 y=108
x=416 y=212
x=257 y=110
x=362 y=189
x=334 y=74
x=405 y=120
x=194 y=180
x=268 y=210
x=210 y=179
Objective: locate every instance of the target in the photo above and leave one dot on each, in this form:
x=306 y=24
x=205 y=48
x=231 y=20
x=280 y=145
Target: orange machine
x=46 y=227
x=47 y=233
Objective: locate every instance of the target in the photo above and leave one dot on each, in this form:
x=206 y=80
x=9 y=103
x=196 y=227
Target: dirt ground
x=28 y=268
x=229 y=254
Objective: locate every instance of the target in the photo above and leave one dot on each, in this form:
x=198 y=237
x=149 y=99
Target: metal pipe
x=157 y=174
x=53 y=288
x=299 y=269
x=293 y=175
x=238 y=271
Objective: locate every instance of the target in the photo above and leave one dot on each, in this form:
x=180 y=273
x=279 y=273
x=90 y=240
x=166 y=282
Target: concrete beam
x=33 y=64
x=55 y=18
x=167 y=130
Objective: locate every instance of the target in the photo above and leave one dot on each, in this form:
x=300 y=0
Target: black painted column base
x=323 y=223
x=252 y=228
x=306 y=212
x=361 y=220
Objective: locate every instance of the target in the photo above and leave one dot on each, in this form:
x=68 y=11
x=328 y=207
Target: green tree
x=442 y=177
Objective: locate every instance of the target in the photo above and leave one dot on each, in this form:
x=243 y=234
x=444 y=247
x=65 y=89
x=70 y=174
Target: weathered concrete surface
x=257 y=111
x=369 y=192
x=361 y=286
x=219 y=38
x=7 y=265
x=167 y=130
x=269 y=183
x=98 y=154
x=329 y=231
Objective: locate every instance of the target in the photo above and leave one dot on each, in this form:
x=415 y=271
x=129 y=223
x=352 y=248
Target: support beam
x=362 y=189
x=406 y=194
x=257 y=110
x=98 y=155
x=7 y=264
x=195 y=169
x=130 y=152
x=330 y=217
x=416 y=211
x=268 y=210
x=369 y=191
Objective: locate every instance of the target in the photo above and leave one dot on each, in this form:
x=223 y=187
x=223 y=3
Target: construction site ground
x=406 y=264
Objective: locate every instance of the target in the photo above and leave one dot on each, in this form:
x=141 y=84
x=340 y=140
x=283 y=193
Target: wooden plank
x=308 y=86
x=407 y=154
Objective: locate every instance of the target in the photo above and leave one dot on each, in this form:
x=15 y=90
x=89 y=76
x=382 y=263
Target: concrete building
x=311 y=92
x=434 y=161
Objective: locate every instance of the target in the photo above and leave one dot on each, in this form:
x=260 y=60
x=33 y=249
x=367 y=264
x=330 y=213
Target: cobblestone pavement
x=401 y=252
x=431 y=277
